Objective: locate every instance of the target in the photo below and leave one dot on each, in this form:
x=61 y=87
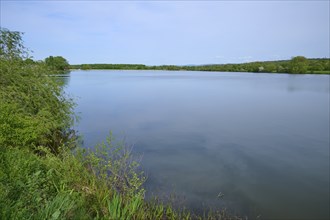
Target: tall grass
x=105 y=183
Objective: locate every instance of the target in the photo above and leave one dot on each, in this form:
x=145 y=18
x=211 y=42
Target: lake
x=261 y=140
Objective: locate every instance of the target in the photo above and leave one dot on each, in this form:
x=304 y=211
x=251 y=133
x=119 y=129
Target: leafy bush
x=57 y=63
x=33 y=108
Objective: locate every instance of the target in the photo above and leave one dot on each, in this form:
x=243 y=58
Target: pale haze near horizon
x=170 y=32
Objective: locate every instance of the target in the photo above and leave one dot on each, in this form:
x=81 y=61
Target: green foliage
x=34 y=187
x=33 y=108
x=85 y=67
x=11 y=45
x=118 y=210
x=57 y=63
x=29 y=61
x=114 y=163
x=109 y=66
x=76 y=186
x=298 y=64
x=320 y=66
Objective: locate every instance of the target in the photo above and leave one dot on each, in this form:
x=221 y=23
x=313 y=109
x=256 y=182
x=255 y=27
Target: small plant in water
x=115 y=165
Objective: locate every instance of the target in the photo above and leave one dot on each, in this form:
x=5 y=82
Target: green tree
x=57 y=63
x=270 y=68
x=85 y=67
x=29 y=61
x=33 y=108
x=298 y=64
x=11 y=45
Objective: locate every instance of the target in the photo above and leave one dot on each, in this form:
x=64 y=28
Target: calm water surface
x=260 y=139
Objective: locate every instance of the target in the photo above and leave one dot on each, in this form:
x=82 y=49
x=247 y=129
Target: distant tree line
x=297 y=65
x=110 y=66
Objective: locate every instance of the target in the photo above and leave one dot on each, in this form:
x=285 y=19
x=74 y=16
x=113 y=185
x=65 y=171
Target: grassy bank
x=73 y=186
x=100 y=184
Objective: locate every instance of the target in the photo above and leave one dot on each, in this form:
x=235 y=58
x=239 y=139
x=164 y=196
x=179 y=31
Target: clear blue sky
x=171 y=32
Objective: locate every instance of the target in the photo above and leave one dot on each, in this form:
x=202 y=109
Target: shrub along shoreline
x=43 y=173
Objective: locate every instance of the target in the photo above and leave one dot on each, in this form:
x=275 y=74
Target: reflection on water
x=262 y=140
x=63 y=78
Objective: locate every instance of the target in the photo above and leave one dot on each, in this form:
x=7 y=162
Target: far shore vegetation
x=44 y=174
x=297 y=65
